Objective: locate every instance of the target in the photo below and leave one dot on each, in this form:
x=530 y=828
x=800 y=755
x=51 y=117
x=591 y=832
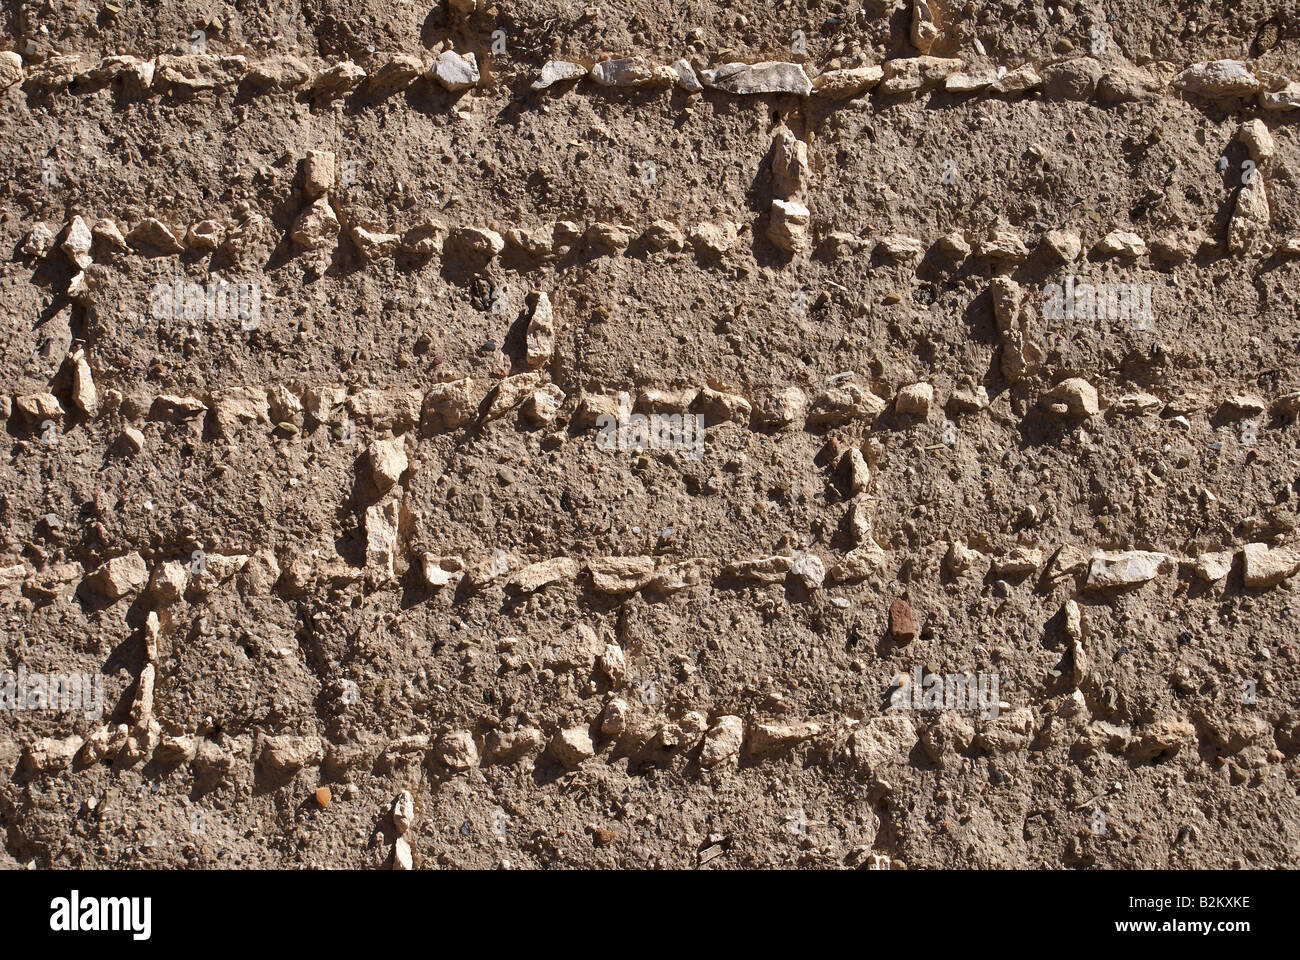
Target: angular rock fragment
x=902 y=625
x=572 y=746
x=910 y=74
x=914 y=400
x=624 y=72
x=687 y=78
x=1251 y=216
x=316 y=227
x=539 y=340
x=844 y=401
x=713 y=238
x=620 y=574
x=1122 y=242
x=338 y=80
x=766 y=77
x=1019 y=355
x=1074 y=397
x=388 y=461
x=789 y=164
x=285 y=755
x=772 y=735
x=771 y=569
x=924 y=30
x=557 y=71
x=1265 y=566
x=1110 y=570
x=456 y=750
x=153 y=234
x=543 y=406
x=535 y=576
x=781 y=407
x=1020 y=80
x=722 y=741
x=450 y=405
x=76 y=243
x=455 y=71
x=118 y=577
x=1218 y=79
x=843 y=84
x=511 y=392
x=1213 y=567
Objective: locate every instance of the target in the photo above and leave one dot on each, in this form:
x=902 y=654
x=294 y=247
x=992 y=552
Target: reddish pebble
x=901 y=625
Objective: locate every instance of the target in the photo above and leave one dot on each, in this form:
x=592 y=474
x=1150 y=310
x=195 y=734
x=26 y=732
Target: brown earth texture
x=525 y=434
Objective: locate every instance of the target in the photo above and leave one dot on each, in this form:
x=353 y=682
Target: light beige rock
x=910 y=74
x=1258 y=141
x=722 y=742
x=772 y=569
x=624 y=72
x=373 y=244
x=77 y=242
x=843 y=84
x=152 y=233
x=440 y=571
x=457 y=750
x=535 y=576
x=572 y=747
x=1110 y=570
x=316 y=227
x=765 y=77
x=924 y=30
x=1251 y=216
x=781 y=407
x=205 y=235
x=543 y=406
x=511 y=392
x=338 y=80
x=168 y=582
x=1020 y=80
x=1065 y=244
x=914 y=400
x=118 y=577
x=539 y=341
x=84 y=394
x=403 y=812
x=478 y=245
x=1075 y=397
x=789 y=164
x=11 y=68
x=723 y=406
x=1123 y=243
x=402 y=857
x=713 y=238
x=455 y=71
x=620 y=574
x=287 y=754
x=381 y=525
x=788 y=225
x=450 y=405
x=1020 y=355
x=1217 y=79
x=1136 y=404
x=388 y=461
x=1265 y=566
x=844 y=401
x=557 y=71
x=615 y=717
x=768 y=736
x=1213 y=567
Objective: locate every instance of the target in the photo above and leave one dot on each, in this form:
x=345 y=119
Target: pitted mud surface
x=331 y=331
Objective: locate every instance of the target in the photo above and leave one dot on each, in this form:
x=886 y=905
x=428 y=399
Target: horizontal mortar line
x=1282 y=91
